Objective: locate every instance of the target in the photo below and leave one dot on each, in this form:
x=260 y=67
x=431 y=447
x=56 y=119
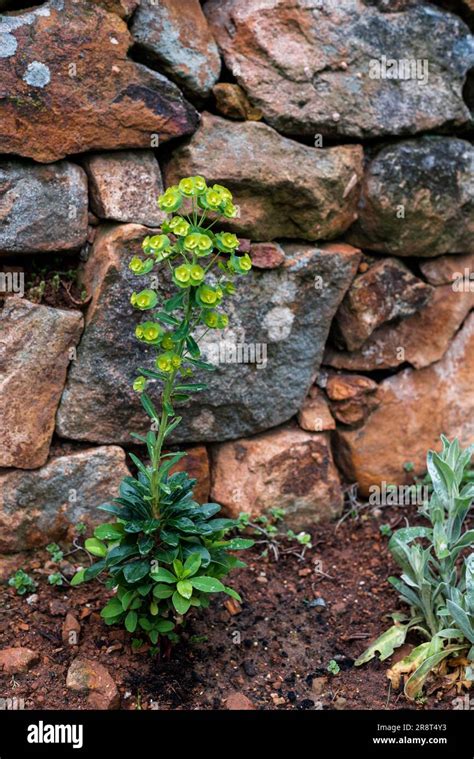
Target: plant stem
x=163 y=425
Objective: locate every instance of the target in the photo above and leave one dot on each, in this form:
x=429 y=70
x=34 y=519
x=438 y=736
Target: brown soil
x=274 y=651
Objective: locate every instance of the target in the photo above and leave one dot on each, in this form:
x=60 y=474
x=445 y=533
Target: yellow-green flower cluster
x=217 y=199
x=186 y=238
x=159 y=246
x=187 y=275
x=149 y=332
x=144 y=300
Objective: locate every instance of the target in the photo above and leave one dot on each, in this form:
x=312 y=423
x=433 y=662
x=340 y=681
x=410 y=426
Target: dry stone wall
x=345 y=131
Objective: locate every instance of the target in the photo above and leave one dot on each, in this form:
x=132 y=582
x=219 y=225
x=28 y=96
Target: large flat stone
x=287 y=468
x=415 y=408
x=418 y=199
x=283 y=188
x=39 y=506
x=35 y=345
x=68 y=85
x=285 y=312
x=320 y=67
x=42 y=208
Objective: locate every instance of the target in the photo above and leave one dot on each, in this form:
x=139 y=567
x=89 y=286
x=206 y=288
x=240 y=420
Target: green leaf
x=162 y=591
x=164 y=626
x=172 y=426
x=173 y=303
x=113 y=608
x=131 y=621
x=194 y=387
x=127 y=599
x=202 y=365
x=385 y=644
x=193 y=347
x=95 y=569
x=145 y=544
x=461 y=619
x=191 y=565
x=95 y=547
x=180 y=604
x=148 y=406
x=168 y=408
x=207 y=584
x=136 y=570
x=140 y=466
x=185 y=588
x=78 y=578
x=109 y=532
x=239 y=544
x=232 y=593
x=166 y=318
x=163 y=575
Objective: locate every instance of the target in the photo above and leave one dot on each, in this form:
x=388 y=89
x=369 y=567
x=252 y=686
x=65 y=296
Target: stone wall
x=344 y=130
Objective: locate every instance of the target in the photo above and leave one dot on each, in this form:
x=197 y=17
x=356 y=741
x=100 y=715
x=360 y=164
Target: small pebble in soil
x=291 y=696
x=317 y=603
x=306 y=703
x=249 y=668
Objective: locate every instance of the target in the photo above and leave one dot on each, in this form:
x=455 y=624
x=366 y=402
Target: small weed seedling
x=437 y=580
x=165 y=554
x=22 y=582
x=266 y=529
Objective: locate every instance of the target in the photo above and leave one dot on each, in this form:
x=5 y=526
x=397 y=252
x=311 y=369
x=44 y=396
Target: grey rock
x=285 y=312
x=124 y=186
x=39 y=506
x=326 y=67
x=418 y=199
x=42 y=208
x=177 y=37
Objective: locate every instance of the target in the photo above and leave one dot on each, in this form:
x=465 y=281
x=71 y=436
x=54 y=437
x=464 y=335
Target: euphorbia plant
x=165 y=553
x=437 y=578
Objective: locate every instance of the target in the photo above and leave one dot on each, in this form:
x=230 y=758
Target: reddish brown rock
x=419 y=340
x=72 y=88
x=232 y=102
x=352 y=397
x=238 y=702
x=266 y=255
x=342 y=387
x=317 y=68
x=176 y=36
x=196 y=464
x=315 y=415
x=124 y=8
x=35 y=349
x=71 y=630
x=37 y=507
x=93 y=679
x=447 y=269
x=256 y=163
x=17 y=661
x=125 y=185
x=386 y=291
x=415 y=408
x=286 y=467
